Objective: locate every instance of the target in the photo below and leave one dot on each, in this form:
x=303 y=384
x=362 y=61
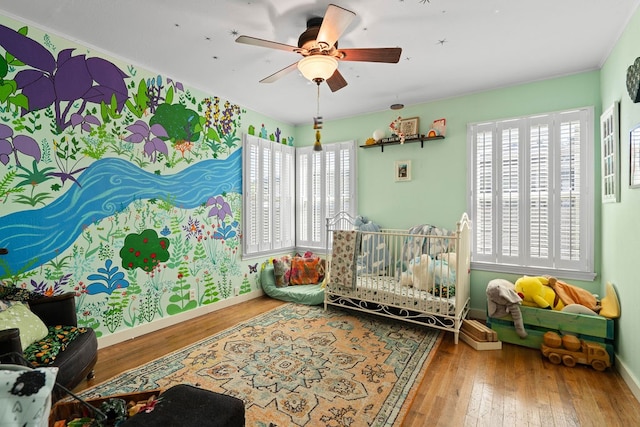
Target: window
x=531 y=194
x=281 y=213
x=325 y=185
x=268 y=196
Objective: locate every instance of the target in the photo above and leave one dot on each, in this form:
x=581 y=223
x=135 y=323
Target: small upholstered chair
x=77 y=356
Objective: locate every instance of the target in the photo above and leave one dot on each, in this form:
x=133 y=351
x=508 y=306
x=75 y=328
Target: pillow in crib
x=19 y=316
x=306 y=270
x=25 y=395
x=282 y=270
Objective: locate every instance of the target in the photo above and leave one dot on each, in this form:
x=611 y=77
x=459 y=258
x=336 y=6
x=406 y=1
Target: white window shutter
x=325 y=186
x=268 y=188
x=530 y=194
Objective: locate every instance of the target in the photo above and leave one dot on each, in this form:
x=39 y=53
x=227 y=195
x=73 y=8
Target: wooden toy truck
x=570 y=350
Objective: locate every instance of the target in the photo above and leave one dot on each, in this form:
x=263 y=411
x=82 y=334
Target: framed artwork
x=410 y=126
x=609 y=132
x=403 y=170
x=634 y=157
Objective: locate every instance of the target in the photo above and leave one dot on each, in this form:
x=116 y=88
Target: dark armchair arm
x=56 y=310
x=11 y=347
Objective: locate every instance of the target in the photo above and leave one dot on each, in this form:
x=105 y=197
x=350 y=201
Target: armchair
x=80 y=355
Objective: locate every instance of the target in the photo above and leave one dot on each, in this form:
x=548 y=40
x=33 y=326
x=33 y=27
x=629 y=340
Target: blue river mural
x=104 y=188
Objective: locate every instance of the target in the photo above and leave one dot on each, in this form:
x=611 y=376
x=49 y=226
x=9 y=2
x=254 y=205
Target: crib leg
x=455 y=337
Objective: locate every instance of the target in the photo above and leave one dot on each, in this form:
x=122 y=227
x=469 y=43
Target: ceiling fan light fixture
x=317 y=67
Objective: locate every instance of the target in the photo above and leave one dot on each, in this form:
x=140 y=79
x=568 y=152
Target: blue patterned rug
x=300 y=366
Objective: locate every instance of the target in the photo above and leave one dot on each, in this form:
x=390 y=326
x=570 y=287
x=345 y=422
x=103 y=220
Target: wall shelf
x=421 y=140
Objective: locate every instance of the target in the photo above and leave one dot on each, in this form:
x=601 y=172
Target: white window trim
x=585 y=270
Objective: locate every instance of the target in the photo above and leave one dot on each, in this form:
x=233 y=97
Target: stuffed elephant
x=502 y=299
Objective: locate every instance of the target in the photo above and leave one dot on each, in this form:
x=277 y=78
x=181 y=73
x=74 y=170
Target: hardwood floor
x=514 y=386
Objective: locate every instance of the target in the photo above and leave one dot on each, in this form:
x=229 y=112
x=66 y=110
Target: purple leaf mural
x=18 y=143
x=67 y=79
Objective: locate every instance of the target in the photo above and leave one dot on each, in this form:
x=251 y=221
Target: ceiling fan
x=318 y=45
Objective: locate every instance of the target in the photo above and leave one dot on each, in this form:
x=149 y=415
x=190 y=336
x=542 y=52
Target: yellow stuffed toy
x=536 y=292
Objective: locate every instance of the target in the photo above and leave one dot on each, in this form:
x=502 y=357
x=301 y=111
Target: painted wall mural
x=118 y=184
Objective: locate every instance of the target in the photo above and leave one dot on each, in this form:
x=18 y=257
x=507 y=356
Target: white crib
x=410 y=275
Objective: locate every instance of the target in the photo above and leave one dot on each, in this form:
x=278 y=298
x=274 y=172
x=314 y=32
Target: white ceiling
x=450 y=47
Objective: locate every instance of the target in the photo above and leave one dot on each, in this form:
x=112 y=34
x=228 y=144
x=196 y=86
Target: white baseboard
x=628 y=377
x=164 y=322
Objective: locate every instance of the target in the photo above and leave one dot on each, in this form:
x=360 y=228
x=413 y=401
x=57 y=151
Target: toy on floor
x=570 y=350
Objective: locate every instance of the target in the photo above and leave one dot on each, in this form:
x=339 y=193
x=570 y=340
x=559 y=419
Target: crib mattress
x=387 y=290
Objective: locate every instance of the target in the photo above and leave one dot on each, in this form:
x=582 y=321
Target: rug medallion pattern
x=300 y=366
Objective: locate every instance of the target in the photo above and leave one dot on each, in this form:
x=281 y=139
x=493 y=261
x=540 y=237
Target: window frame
x=265 y=231
x=311 y=167
x=493 y=259
x=276 y=230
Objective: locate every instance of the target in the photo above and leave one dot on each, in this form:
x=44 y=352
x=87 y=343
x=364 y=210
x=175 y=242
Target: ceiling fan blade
x=275 y=76
x=265 y=43
x=336 y=81
x=380 y=54
x=335 y=22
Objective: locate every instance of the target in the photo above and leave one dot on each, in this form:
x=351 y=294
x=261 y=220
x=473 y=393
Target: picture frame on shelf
x=410 y=126
x=402 y=170
x=634 y=157
x=609 y=132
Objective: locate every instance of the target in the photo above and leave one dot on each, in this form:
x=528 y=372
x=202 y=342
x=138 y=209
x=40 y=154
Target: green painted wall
x=620 y=225
x=437 y=192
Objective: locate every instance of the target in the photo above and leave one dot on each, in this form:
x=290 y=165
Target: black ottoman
x=186 y=405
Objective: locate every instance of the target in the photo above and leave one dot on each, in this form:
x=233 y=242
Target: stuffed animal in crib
x=536 y=292
x=417 y=274
x=426 y=274
x=448 y=257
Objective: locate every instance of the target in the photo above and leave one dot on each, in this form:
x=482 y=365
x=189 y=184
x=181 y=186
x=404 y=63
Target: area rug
x=300 y=366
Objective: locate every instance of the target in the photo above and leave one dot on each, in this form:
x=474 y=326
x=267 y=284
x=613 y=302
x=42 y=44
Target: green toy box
x=537 y=321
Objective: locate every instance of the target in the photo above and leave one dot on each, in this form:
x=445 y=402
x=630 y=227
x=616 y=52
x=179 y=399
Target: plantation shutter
x=541 y=176
x=575 y=192
x=510 y=190
x=529 y=198
x=325 y=186
x=268 y=188
x=484 y=184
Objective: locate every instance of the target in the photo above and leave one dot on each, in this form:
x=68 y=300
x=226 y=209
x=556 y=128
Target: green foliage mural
x=116 y=184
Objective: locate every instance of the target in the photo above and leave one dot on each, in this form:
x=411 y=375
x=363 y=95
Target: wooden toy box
x=537 y=321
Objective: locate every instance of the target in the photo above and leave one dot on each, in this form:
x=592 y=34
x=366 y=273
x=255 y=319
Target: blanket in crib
x=415 y=246
x=374 y=255
x=343 y=258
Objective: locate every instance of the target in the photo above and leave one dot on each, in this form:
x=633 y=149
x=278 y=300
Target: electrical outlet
x=236 y=291
x=192 y=294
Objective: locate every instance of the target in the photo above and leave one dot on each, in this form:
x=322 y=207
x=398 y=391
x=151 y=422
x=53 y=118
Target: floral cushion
x=282 y=270
x=44 y=351
x=306 y=270
x=13 y=293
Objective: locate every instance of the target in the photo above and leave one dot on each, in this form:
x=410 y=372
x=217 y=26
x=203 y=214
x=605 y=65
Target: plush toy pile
x=435 y=276
x=551 y=293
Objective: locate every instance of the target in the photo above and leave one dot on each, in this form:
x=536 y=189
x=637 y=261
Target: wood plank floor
x=514 y=386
